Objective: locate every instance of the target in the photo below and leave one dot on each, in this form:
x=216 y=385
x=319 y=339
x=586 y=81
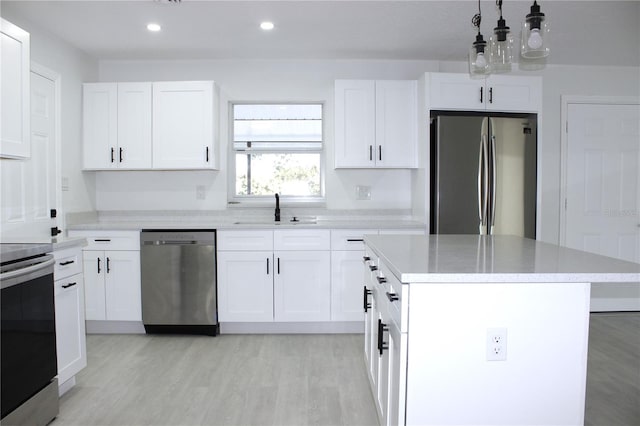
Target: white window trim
x=234 y=201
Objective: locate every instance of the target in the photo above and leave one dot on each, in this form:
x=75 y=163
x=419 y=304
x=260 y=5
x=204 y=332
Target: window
x=277 y=149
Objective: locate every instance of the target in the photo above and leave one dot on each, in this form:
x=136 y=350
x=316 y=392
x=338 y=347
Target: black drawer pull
x=366 y=258
x=382 y=327
x=69 y=285
x=381 y=280
x=355 y=240
x=373 y=267
x=392 y=297
x=366 y=304
x=68 y=262
x=102 y=240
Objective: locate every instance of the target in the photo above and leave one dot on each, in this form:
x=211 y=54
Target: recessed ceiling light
x=267 y=25
x=154 y=27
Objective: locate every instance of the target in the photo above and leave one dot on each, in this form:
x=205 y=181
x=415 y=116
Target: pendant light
x=501 y=45
x=479 y=64
x=535 y=34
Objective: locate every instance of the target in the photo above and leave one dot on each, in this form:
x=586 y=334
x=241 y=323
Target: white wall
x=74 y=68
x=255 y=80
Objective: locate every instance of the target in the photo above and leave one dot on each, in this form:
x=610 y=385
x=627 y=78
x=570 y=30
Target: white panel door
x=99 y=125
x=28 y=186
x=14 y=85
x=302 y=286
x=355 y=117
x=70 y=327
x=603 y=178
x=94 y=271
x=134 y=126
x=245 y=286
x=455 y=91
x=396 y=123
x=513 y=93
x=346 y=286
x=183 y=124
x=122 y=286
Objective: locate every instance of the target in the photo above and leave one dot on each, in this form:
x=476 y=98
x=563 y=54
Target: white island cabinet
x=475 y=346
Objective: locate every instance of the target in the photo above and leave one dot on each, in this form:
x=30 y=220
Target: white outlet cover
x=363 y=192
x=496 y=344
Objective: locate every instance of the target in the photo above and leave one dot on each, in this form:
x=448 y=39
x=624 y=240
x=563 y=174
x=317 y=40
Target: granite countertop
x=473 y=258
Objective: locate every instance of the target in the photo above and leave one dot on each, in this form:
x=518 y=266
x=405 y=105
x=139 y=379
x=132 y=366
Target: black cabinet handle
x=481 y=93
x=267 y=266
x=373 y=268
x=108 y=265
x=490 y=95
x=370 y=152
x=68 y=262
x=102 y=240
x=121 y=155
x=69 y=285
x=366 y=258
x=112 y=155
x=207 y=154
x=99 y=265
x=366 y=305
x=355 y=240
x=278 y=266
x=382 y=327
x=381 y=280
x=380 y=152
x=392 y=297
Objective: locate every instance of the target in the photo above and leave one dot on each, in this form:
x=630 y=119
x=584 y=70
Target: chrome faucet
x=277 y=208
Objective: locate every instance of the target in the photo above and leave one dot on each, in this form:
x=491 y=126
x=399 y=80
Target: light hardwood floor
x=292 y=379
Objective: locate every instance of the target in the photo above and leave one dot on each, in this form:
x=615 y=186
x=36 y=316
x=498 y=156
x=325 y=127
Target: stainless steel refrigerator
x=483 y=173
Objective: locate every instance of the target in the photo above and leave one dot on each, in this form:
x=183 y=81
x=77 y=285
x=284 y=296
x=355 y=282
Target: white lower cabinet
x=69 y=304
x=112 y=275
x=245 y=286
x=346 y=285
x=267 y=276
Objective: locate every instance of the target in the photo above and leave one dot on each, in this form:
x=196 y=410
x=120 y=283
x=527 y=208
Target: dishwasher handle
x=173 y=243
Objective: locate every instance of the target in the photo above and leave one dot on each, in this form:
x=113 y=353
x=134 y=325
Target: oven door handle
x=29 y=270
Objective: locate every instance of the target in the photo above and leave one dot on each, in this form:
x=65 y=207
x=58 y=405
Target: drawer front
x=302 y=239
x=68 y=262
x=249 y=240
x=349 y=239
x=396 y=295
x=109 y=240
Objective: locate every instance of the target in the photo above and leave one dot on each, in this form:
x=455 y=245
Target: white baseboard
x=336 y=327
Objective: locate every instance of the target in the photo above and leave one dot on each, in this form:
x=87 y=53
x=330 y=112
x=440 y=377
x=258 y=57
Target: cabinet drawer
x=109 y=240
x=250 y=240
x=68 y=262
x=395 y=294
x=302 y=239
x=349 y=239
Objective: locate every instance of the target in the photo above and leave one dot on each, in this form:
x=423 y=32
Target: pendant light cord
x=477 y=18
x=499 y=5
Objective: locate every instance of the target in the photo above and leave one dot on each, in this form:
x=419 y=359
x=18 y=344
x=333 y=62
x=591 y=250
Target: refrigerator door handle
x=493 y=184
x=483 y=184
x=480 y=186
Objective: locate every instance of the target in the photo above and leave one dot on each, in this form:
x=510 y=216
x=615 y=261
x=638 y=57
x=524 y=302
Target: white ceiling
x=583 y=32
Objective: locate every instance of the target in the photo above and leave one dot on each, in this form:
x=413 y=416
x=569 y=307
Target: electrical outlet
x=200 y=192
x=363 y=192
x=496 y=344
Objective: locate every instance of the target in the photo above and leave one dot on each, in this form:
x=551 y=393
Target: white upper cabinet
x=15 y=88
x=455 y=91
x=117 y=125
x=142 y=126
x=375 y=123
x=183 y=125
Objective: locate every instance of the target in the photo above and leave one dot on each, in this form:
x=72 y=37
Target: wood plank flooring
x=292 y=379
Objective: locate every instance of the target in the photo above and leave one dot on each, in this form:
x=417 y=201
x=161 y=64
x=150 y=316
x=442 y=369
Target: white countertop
x=473 y=258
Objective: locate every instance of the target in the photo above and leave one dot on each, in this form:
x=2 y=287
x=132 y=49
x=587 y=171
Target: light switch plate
x=363 y=192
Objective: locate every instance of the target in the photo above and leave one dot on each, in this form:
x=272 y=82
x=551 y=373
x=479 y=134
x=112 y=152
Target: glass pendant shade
x=535 y=35
x=479 y=63
x=501 y=46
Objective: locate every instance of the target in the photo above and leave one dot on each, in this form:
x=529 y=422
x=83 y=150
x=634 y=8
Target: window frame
x=268 y=200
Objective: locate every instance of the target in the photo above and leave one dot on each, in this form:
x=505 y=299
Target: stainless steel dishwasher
x=178 y=272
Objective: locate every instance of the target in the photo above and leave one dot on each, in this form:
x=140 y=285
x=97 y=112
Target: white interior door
x=603 y=189
x=28 y=186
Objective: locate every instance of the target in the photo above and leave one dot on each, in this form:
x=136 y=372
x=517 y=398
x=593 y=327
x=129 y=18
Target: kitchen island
x=464 y=329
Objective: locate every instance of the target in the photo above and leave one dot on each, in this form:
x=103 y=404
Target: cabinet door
x=455 y=91
x=15 y=65
x=70 y=330
x=302 y=286
x=346 y=286
x=513 y=93
x=99 y=125
x=183 y=114
x=382 y=388
x=355 y=123
x=397 y=377
x=245 y=286
x=94 y=271
x=122 y=286
x=396 y=124
x=134 y=126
